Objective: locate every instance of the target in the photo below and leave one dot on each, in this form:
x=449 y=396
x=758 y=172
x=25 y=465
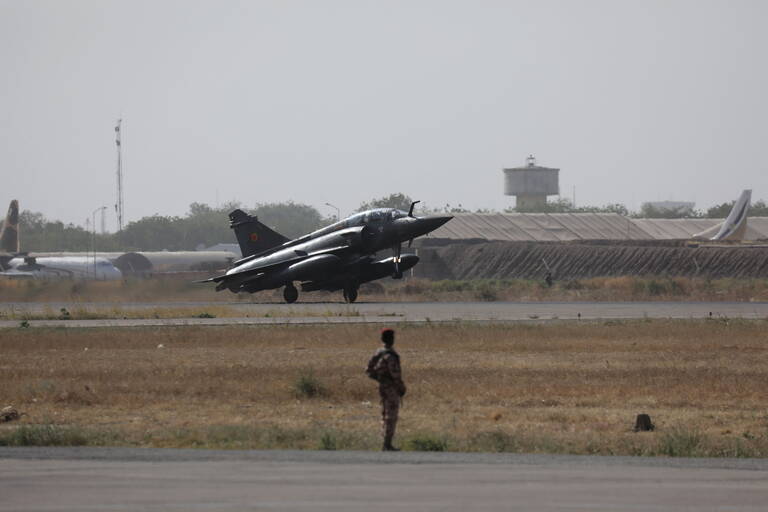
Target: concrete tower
x=531 y=184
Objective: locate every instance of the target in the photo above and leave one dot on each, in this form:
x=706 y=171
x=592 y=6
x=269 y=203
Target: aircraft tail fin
x=9 y=237
x=252 y=235
x=735 y=224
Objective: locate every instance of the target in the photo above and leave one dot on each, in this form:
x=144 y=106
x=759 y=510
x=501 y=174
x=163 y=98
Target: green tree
x=609 y=208
x=398 y=200
x=648 y=211
x=202 y=225
x=758 y=209
x=563 y=205
x=721 y=211
x=153 y=233
x=206 y=226
x=38 y=234
x=290 y=219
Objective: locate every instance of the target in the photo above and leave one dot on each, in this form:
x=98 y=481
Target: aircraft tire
x=290 y=294
x=350 y=294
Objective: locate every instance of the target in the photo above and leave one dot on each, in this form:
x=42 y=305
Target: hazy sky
x=343 y=101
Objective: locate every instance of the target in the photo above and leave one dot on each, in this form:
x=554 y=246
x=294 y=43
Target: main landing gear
x=290 y=293
x=350 y=293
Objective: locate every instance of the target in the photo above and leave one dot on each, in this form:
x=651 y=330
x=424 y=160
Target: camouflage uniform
x=384 y=367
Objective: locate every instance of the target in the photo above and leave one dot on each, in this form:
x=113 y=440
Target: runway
x=395 y=312
x=98 y=479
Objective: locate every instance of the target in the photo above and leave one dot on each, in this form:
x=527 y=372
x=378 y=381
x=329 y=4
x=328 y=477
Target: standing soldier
x=384 y=367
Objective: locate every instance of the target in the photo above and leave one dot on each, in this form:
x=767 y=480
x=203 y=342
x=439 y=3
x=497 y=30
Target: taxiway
x=98 y=479
x=394 y=312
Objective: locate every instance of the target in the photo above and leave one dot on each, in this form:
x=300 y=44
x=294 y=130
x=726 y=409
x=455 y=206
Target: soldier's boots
x=388 y=446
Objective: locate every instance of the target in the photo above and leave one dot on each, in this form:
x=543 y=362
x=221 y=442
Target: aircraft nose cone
x=432 y=223
x=424 y=225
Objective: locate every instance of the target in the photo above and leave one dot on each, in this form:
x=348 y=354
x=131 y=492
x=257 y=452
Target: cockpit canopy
x=375 y=216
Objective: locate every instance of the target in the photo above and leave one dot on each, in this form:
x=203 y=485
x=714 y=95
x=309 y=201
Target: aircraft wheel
x=290 y=294
x=397 y=275
x=350 y=294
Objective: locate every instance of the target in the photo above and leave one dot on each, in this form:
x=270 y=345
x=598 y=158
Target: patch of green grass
x=494 y=441
x=253 y=437
x=675 y=443
x=328 y=441
x=347 y=312
x=53 y=435
x=426 y=443
x=307 y=385
x=681 y=443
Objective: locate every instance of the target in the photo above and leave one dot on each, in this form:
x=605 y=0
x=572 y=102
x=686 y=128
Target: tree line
x=204 y=225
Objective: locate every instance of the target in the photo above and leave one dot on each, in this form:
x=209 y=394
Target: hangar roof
x=553 y=227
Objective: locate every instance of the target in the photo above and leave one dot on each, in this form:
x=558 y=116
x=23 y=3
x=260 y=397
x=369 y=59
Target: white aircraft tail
x=9 y=236
x=735 y=225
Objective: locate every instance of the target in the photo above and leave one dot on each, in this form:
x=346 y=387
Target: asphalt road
x=396 y=312
x=101 y=479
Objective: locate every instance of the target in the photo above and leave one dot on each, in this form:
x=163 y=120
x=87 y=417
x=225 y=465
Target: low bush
x=681 y=443
x=46 y=435
x=307 y=385
x=328 y=441
x=426 y=443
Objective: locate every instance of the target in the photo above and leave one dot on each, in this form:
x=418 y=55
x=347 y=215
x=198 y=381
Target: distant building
x=531 y=184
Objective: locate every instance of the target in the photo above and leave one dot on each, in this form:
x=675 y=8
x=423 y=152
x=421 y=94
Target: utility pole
x=119 y=204
x=338 y=212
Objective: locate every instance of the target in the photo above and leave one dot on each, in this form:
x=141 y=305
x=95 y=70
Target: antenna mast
x=119 y=205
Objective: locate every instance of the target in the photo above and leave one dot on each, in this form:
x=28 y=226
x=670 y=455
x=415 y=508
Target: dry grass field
x=182 y=288
x=95 y=312
x=559 y=388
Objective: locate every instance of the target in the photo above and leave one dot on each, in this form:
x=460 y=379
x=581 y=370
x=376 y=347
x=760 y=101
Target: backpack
x=371 y=370
x=375 y=370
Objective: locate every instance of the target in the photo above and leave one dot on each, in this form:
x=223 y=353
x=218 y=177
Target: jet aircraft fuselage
x=339 y=256
x=69 y=267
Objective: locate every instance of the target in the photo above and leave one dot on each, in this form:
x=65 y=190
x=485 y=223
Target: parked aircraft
x=72 y=267
x=734 y=226
x=341 y=256
x=16 y=264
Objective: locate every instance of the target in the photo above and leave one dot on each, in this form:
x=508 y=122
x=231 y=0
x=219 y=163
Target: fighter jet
x=341 y=256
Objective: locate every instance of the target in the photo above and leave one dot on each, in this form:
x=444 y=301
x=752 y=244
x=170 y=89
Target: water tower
x=531 y=184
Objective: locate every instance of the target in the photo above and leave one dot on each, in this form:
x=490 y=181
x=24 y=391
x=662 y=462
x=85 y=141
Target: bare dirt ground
x=564 y=388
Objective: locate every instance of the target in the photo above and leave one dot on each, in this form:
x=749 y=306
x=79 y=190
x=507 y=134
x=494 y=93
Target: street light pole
x=338 y=212
x=93 y=236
